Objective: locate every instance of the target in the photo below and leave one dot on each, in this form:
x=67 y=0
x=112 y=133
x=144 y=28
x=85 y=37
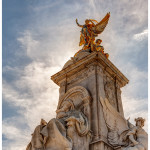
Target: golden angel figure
x=90 y=30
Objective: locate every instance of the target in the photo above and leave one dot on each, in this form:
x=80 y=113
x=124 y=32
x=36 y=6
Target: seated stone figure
x=100 y=48
x=37 y=140
x=121 y=132
x=137 y=136
x=68 y=131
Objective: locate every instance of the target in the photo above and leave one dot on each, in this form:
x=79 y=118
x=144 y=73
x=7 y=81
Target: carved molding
x=77 y=90
x=81 y=64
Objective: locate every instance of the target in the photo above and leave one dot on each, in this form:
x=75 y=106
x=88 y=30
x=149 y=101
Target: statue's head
x=139 y=121
x=98 y=41
x=87 y=21
x=43 y=122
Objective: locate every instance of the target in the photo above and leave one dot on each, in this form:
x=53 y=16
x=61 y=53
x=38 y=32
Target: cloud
x=50 y=38
x=17 y=137
x=36 y=97
x=138 y=81
x=141 y=36
x=136 y=108
x=28 y=42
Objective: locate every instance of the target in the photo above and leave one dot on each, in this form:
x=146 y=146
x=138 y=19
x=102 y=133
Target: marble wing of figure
x=99 y=27
x=117 y=125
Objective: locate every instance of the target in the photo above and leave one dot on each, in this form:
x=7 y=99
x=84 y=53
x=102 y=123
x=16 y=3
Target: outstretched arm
x=92 y=22
x=78 y=24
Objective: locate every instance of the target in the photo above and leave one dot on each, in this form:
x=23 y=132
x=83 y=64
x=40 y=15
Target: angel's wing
x=130 y=125
x=116 y=124
x=99 y=28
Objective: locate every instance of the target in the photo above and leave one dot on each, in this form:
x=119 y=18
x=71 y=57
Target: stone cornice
x=98 y=59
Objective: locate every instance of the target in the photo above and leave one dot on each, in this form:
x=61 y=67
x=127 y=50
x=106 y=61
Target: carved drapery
x=81 y=99
x=78 y=127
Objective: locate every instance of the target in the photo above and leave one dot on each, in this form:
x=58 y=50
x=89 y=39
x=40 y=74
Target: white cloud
x=134 y=108
x=46 y=49
x=28 y=43
x=138 y=81
x=141 y=36
x=49 y=42
x=133 y=94
x=39 y=102
x=18 y=138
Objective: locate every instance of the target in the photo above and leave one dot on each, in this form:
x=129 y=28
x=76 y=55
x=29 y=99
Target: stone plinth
x=101 y=79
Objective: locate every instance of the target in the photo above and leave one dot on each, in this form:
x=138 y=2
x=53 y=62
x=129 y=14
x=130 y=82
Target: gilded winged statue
x=90 y=30
x=121 y=132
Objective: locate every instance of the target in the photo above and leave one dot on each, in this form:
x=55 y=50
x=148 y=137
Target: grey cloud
x=141 y=36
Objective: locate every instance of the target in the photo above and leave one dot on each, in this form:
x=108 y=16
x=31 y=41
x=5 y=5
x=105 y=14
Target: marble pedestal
x=101 y=79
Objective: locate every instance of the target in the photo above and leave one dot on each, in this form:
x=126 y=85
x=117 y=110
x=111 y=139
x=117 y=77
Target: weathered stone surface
x=121 y=131
x=99 y=76
x=89 y=112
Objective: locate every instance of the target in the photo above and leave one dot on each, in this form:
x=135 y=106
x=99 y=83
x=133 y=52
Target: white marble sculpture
x=121 y=131
x=89 y=114
x=68 y=131
x=37 y=140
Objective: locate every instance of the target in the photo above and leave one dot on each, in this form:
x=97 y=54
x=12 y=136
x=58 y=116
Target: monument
x=90 y=114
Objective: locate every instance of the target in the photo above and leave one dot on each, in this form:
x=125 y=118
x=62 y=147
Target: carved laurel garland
x=77 y=89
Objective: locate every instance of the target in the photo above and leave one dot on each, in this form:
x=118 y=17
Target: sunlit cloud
x=40 y=101
x=136 y=108
x=141 y=36
x=49 y=39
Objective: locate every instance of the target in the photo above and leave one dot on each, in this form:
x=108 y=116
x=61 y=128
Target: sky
x=38 y=37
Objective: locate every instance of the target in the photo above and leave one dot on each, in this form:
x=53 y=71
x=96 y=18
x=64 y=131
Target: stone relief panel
x=110 y=91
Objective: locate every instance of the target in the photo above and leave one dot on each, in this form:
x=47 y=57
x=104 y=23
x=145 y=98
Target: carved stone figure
x=70 y=129
x=121 y=131
x=99 y=48
x=137 y=136
x=38 y=140
x=78 y=130
x=89 y=114
x=57 y=139
x=66 y=106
